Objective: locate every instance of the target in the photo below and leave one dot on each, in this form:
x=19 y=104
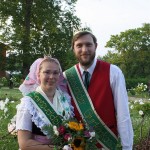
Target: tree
x=32 y=28
x=131 y=51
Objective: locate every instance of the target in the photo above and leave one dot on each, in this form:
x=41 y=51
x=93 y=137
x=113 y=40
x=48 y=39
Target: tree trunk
x=26 y=40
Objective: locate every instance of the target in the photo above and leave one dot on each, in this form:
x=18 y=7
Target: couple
x=98 y=94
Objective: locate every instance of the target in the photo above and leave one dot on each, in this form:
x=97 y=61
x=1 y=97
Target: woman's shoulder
x=24 y=102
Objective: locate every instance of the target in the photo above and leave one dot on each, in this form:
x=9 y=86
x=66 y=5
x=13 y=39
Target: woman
x=43 y=104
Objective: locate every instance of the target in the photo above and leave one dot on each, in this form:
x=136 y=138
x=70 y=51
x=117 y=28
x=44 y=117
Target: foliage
x=133 y=82
x=7 y=141
x=10 y=82
x=3 y=81
x=140 y=115
x=131 y=51
x=138 y=90
x=32 y=28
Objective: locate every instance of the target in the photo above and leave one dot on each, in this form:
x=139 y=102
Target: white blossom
x=6 y=100
x=5 y=109
x=141 y=112
x=12 y=128
x=141 y=103
x=2 y=105
x=131 y=106
x=135 y=101
x=56 y=132
x=140 y=100
x=92 y=134
x=54 y=128
x=67 y=147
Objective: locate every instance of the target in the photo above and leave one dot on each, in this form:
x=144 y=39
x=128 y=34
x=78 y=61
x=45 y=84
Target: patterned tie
x=86 y=79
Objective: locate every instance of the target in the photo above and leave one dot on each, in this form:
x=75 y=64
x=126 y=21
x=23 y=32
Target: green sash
x=84 y=104
x=46 y=108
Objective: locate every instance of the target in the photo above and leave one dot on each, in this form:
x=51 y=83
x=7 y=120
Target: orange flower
x=75 y=126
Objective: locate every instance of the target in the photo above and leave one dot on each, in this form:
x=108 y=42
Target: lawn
x=7 y=141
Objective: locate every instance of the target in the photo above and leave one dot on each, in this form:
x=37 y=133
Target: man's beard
x=86 y=63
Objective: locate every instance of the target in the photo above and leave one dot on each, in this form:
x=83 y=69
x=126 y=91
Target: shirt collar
x=90 y=69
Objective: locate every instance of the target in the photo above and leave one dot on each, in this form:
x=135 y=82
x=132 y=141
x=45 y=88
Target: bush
x=131 y=83
x=3 y=81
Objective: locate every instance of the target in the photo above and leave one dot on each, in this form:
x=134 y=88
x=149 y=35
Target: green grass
x=10 y=142
x=12 y=94
x=7 y=141
x=143 y=95
x=137 y=122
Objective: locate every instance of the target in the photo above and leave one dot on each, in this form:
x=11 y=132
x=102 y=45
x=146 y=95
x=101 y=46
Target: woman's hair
x=80 y=34
x=50 y=59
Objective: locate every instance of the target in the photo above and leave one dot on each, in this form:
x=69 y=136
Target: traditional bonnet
x=31 y=82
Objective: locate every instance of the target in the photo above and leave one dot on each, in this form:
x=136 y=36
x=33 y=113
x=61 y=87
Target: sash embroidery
x=84 y=104
x=45 y=107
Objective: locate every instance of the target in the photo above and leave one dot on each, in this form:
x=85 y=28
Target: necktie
x=86 y=79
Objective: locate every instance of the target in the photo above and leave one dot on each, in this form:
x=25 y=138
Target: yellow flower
x=78 y=144
x=75 y=126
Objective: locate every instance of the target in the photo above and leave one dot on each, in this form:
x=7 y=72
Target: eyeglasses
x=55 y=73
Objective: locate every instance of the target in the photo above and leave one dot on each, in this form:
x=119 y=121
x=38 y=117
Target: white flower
x=135 y=101
x=2 y=105
x=140 y=100
x=12 y=101
x=5 y=109
x=67 y=147
x=56 y=132
x=11 y=128
x=131 y=106
x=6 y=100
x=92 y=134
x=54 y=128
x=141 y=112
x=141 y=103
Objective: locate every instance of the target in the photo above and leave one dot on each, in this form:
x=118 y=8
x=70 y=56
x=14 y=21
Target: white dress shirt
x=117 y=83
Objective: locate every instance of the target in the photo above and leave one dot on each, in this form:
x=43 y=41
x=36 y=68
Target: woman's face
x=49 y=75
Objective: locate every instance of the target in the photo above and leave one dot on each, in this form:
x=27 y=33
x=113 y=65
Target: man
x=99 y=96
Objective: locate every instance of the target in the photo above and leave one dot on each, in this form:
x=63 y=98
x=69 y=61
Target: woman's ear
x=38 y=77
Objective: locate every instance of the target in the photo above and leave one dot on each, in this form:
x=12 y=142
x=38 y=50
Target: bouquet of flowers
x=72 y=135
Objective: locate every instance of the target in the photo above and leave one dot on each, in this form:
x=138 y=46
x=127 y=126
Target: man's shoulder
x=103 y=64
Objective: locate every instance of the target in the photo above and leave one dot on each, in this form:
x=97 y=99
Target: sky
x=110 y=17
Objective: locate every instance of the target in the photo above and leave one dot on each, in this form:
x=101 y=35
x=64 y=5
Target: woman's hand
x=26 y=142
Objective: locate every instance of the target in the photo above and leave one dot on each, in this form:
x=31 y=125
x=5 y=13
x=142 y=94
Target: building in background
x=3 y=49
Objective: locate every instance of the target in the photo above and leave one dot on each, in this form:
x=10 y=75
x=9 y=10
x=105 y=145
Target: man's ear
x=96 y=45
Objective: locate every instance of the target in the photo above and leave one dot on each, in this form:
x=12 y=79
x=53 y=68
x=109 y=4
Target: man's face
x=84 y=49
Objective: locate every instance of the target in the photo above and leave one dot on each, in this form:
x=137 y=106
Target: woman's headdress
x=32 y=81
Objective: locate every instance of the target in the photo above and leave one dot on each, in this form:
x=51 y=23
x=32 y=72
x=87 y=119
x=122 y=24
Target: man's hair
x=80 y=34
